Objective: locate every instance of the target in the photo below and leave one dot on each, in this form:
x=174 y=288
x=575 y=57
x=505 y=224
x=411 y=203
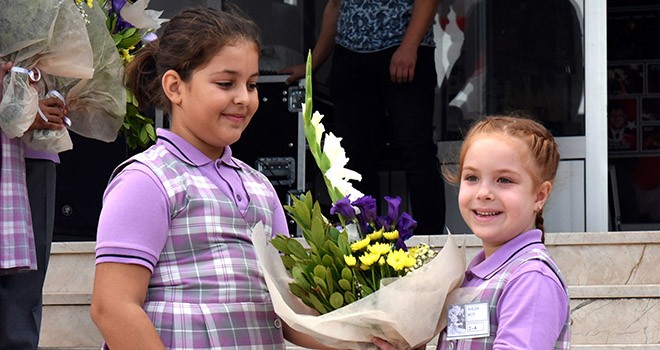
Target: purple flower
x=343 y=207
x=115 y=9
x=405 y=226
x=392 y=212
x=368 y=213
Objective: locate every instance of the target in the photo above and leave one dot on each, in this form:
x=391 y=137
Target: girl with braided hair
x=507 y=167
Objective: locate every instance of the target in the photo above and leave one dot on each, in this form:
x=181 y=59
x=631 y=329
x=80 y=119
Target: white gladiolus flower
x=353 y=233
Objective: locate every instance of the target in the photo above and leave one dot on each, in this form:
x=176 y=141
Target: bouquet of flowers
x=346 y=283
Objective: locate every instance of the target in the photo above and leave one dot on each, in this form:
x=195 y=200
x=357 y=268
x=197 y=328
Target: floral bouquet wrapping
x=355 y=279
x=44 y=34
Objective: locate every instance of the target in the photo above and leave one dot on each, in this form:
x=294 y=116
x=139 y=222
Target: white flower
x=320 y=128
x=138 y=15
x=353 y=233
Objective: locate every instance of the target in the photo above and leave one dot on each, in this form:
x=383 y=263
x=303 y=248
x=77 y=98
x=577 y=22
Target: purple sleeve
x=134 y=219
x=532 y=309
x=279 y=218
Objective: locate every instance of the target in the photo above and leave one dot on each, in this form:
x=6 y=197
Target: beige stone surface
x=614 y=283
x=616 y=321
x=68 y=326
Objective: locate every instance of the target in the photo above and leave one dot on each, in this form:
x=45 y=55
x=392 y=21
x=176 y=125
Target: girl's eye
x=252 y=86
x=504 y=180
x=224 y=84
x=470 y=178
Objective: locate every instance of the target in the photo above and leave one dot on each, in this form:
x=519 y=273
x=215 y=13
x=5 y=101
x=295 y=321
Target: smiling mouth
x=487 y=214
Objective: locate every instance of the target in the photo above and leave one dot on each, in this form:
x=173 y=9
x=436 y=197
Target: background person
x=382 y=81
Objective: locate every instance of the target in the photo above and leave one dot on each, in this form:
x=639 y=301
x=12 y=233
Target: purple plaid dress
x=17 y=252
x=491 y=294
x=207 y=291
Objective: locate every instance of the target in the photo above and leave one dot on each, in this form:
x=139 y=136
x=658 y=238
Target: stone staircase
x=614 y=283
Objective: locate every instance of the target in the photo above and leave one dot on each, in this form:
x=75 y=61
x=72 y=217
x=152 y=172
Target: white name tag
x=468 y=321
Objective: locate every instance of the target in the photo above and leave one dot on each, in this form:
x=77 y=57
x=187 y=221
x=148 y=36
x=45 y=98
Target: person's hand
x=384 y=345
x=5 y=67
x=296 y=72
x=402 y=65
x=54 y=110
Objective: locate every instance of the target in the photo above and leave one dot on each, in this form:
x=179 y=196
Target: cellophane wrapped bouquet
x=355 y=278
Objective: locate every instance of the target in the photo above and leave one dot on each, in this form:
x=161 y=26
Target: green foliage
x=137 y=129
x=321 y=278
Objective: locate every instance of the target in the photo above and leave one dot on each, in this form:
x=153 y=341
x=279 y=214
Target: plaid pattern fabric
x=17 y=252
x=492 y=293
x=207 y=291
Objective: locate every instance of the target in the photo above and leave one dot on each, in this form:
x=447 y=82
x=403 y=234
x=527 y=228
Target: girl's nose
x=242 y=96
x=484 y=192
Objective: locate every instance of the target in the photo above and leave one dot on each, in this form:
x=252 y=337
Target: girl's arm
x=532 y=309
x=300 y=339
x=119 y=291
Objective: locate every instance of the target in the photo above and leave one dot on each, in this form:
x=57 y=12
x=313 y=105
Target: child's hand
x=54 y=110
x=383 y=345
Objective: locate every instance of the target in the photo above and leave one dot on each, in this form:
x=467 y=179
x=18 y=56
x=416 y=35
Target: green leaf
x=128 y=32
x=321 y=284
x=345 y=284
x=128 y=42
x=300 y=278
x=288 y=262
x=327 y=260
x=319 y=271
x=344 y=246
x=349 y=297
x=347 y=274
x=336 y=300
x=316 y=304
x=297 y=249
x=280 y=243
x=117 y=38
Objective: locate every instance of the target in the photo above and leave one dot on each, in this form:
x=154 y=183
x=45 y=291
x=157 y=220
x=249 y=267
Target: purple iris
x=116 y=8
x=405 y=226
x=392 y=212
x=368 y=213
x=343 y=207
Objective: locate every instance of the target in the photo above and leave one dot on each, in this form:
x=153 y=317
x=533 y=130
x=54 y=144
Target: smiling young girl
x=175 y=264
x=507 y=167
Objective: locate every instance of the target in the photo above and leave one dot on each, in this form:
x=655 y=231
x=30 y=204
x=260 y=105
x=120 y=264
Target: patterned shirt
x=206 y=290
x=17 y=251
x=375 y=25
x=526 y=296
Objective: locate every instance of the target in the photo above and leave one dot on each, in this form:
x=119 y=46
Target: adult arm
x=532 y=309
x=402 y=65
x=324 y=45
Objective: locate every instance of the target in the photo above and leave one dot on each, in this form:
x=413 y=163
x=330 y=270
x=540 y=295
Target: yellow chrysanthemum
x=369 y=259
x=90 y=3
x=379 y=248
x=376 y=235
x=359 y=245
x=400 y=259
x=393 y=235
x=381 y=261
x=350 y=260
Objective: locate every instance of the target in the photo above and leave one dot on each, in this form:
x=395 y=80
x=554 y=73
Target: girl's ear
x=172 y=85
x=542 y=195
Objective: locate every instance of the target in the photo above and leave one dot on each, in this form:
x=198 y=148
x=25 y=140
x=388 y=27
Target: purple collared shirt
x=533 y=307
x=147 y=210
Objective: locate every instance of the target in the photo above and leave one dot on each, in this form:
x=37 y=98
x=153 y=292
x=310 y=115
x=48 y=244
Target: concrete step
x=613 y=283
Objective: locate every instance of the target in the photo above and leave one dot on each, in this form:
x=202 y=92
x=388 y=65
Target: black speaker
x=82 y=177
